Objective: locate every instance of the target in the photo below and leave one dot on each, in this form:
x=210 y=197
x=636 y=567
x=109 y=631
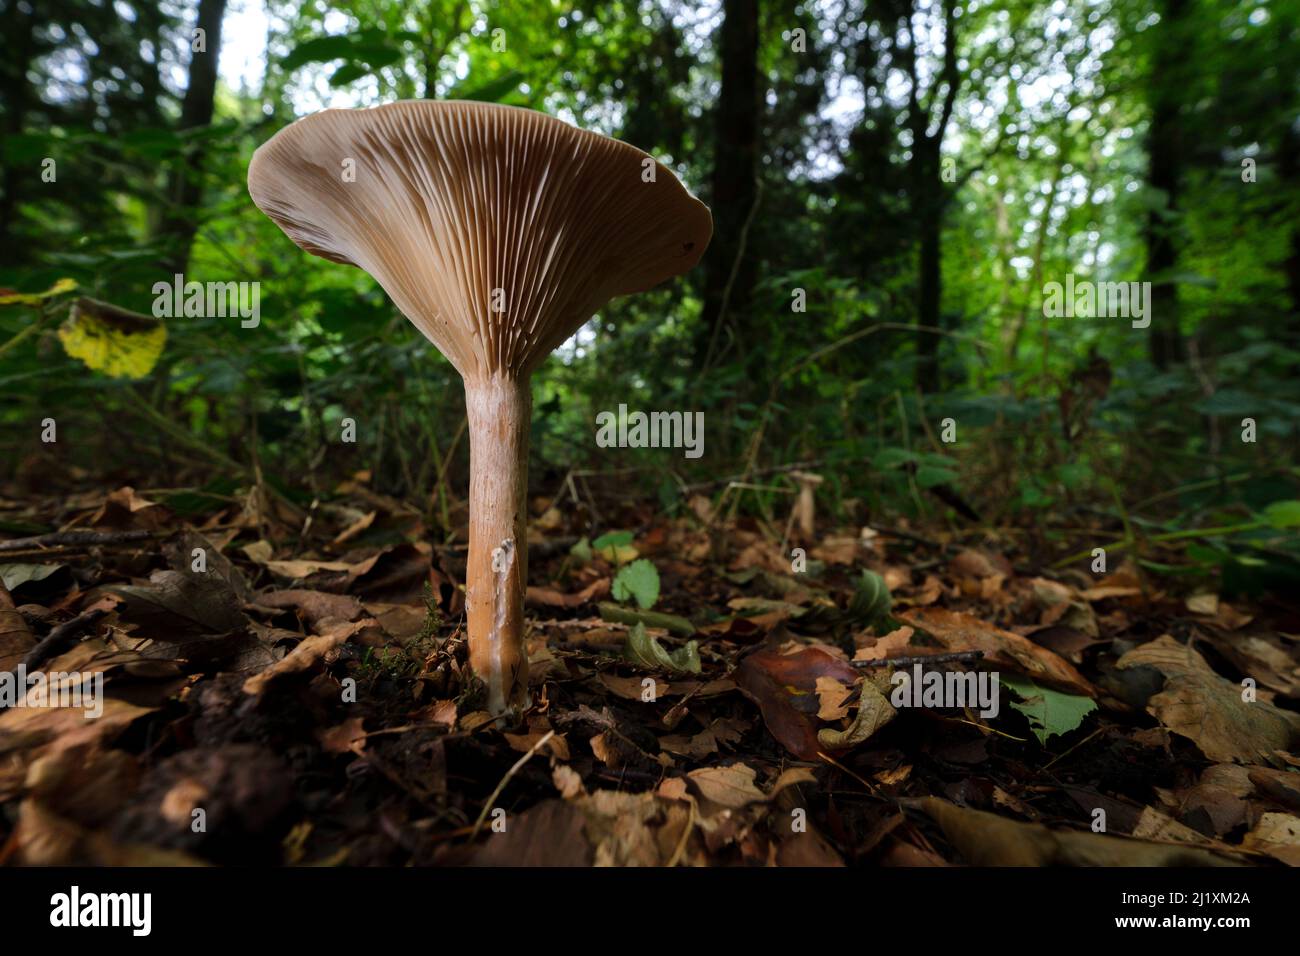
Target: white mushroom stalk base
x=499 y=410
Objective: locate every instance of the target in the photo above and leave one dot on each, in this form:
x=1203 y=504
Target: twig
x=487 y=806
x=23 y=334
x=985 y=727
x=1121 y=544
x=742 y=241
x=686 y=835
x=906 y=536
x=62 y=635
x=967 y=656
x=76 y=539
x=678 y=710
x=1050 y=763
x=839 y=766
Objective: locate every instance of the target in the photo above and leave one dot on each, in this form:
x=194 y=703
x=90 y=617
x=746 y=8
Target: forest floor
x=282 y=687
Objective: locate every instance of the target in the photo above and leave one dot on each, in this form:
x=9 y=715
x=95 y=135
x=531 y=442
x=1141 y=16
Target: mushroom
x=497 y=231
x=805 y=507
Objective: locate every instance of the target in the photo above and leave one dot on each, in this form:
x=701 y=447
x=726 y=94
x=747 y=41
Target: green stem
x=1122 y=545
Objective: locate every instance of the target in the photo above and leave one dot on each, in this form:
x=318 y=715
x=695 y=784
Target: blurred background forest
x=893 y=183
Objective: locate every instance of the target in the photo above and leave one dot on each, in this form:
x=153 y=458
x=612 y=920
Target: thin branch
x=487 y=806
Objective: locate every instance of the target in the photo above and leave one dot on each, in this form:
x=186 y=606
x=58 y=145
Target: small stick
x=487 y=806
x=63 y=635
x=678 y=710
x=1067 y=753
x=839 y=766
x=686 y=835
x=992 y=730
x=967 y=656
x=76 y=538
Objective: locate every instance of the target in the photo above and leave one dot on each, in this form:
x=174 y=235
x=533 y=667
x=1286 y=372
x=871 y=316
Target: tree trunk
x=929 y=198
x=734 y=183
x=1289 y=174
x=1165 y=152
x=497 y=574
x=185 y=187
x=19 y=23
x=929 y=293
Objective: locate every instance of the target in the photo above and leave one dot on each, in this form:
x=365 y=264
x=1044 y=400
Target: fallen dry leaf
x=958 y=631
x=636 y=688
x=550 y=597
x=307 y=655
x=894 y=644
x=339 y=739
x=1208 y=709
x=15 y=637
x=784 y=687
x=1278 y=835
x=986 y=839
x=313 y=606
x=567 y=781
x=731 y=787
x=874 y=711
x=832 y=697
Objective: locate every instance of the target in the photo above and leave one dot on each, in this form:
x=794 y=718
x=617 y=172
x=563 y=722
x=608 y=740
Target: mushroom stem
x=499 y=408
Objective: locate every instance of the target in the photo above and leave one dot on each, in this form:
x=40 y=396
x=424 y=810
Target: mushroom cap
x=496 y=230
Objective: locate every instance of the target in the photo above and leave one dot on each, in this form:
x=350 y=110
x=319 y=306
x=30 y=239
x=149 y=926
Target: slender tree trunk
x=1035 y=285
x=497 y=575
x=929 y=290
x=929 y=199
x=734 y=182
x=1165 y=150
x=185 y=187
x=19 y=24
x=1289 y=175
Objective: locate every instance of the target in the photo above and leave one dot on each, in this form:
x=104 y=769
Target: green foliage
x=1049 y=143
x=639 y=580
x=644 y=650
x=871 y=602
x=1283 y=514
x=1050 y=713
x=615 y=546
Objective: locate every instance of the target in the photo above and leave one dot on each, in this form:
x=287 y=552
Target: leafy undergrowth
x=288 y=687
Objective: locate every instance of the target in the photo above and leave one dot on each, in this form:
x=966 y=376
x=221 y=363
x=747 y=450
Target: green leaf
x=871 y=599
x=1050 y=713
x=613 y=539
x=1283 y=514
x=152 y=142
x=582 y=550
x=888 y=458
x=34 y=298
x=927 y=476
x=870 y=605
x=492 y=91
x=376 y=54
x=615 y=546
x=640 y=580
x=319 y=50
x=23 y=148
x=644 y=650
x=1227 y=401
x=347 y=73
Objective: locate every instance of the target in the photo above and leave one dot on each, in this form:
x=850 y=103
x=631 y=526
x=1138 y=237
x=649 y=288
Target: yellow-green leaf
x=35 y=298
x=642 y=648
x=111 y=340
